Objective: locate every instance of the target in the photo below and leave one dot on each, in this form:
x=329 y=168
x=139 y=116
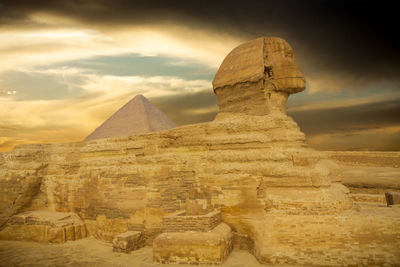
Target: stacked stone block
x=190 y=247
x=392 y=198
x=193 y=239
x=180 y=222
x=128 y=241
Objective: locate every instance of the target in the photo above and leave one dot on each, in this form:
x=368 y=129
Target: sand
x=92 y=252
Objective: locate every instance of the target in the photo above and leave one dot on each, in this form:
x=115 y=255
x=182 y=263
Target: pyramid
x=137 y=116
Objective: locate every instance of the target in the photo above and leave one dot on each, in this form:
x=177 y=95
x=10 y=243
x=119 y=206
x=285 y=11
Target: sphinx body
x=251 y=162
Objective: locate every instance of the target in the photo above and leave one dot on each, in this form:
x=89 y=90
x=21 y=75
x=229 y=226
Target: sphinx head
x=257 y=77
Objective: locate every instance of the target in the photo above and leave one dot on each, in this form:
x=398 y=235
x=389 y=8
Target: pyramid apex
x=138 y=116
x=139 y=96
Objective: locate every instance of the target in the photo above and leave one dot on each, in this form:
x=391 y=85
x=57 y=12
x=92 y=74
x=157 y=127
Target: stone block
x=392 y=198
x=128 y=241
x=368 y=198
x=44 y=226
x=180 y=222
x=55 y=235
x=190 y=247
x=70 y=232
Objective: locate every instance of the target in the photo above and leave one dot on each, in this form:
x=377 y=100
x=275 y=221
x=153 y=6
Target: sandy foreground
x=92 y=252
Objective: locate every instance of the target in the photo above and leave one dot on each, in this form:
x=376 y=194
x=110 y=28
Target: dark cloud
x=356 y=38
x=188 y=108
x=347 y=120
x=9 y=16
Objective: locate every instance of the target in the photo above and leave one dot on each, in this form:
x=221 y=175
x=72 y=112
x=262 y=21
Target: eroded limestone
x=44 y=226
x=212 y=247
x=128 y=241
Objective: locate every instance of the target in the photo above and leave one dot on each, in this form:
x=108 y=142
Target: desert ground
x=92 y=252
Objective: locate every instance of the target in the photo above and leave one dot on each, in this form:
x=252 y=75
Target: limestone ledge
x=367 y=158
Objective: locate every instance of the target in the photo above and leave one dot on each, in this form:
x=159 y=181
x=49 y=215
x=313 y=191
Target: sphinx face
x=281 y=68
x=263 y=68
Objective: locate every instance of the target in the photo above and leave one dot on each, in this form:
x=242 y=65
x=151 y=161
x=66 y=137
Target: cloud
x=332 y=104
x=381 y=139
x=149 y=86
x=133 y=65
x=188 y=107
x=25 y=49
x=365 y=124
x=351 y=49
x=335 y=37
x=348 y=118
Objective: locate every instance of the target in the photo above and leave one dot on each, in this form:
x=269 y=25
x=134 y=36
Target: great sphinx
x=251 y=162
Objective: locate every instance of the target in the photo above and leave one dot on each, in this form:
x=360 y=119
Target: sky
x=66 y=66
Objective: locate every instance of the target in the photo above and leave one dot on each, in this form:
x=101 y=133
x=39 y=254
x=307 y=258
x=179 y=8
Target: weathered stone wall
x=44 y=226
x=366 y=158
x=180 y=222
x=211 y=247
x=131 y=183
x=239 y=163
x=369 y=237
x=21 y=173
x=246 y=98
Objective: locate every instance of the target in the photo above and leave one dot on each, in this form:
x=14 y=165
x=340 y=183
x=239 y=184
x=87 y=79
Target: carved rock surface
x=180 y=222
x=128 y=241
x=392 y=198
x=212 y=247
x=257 y=77
x=44 y=226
